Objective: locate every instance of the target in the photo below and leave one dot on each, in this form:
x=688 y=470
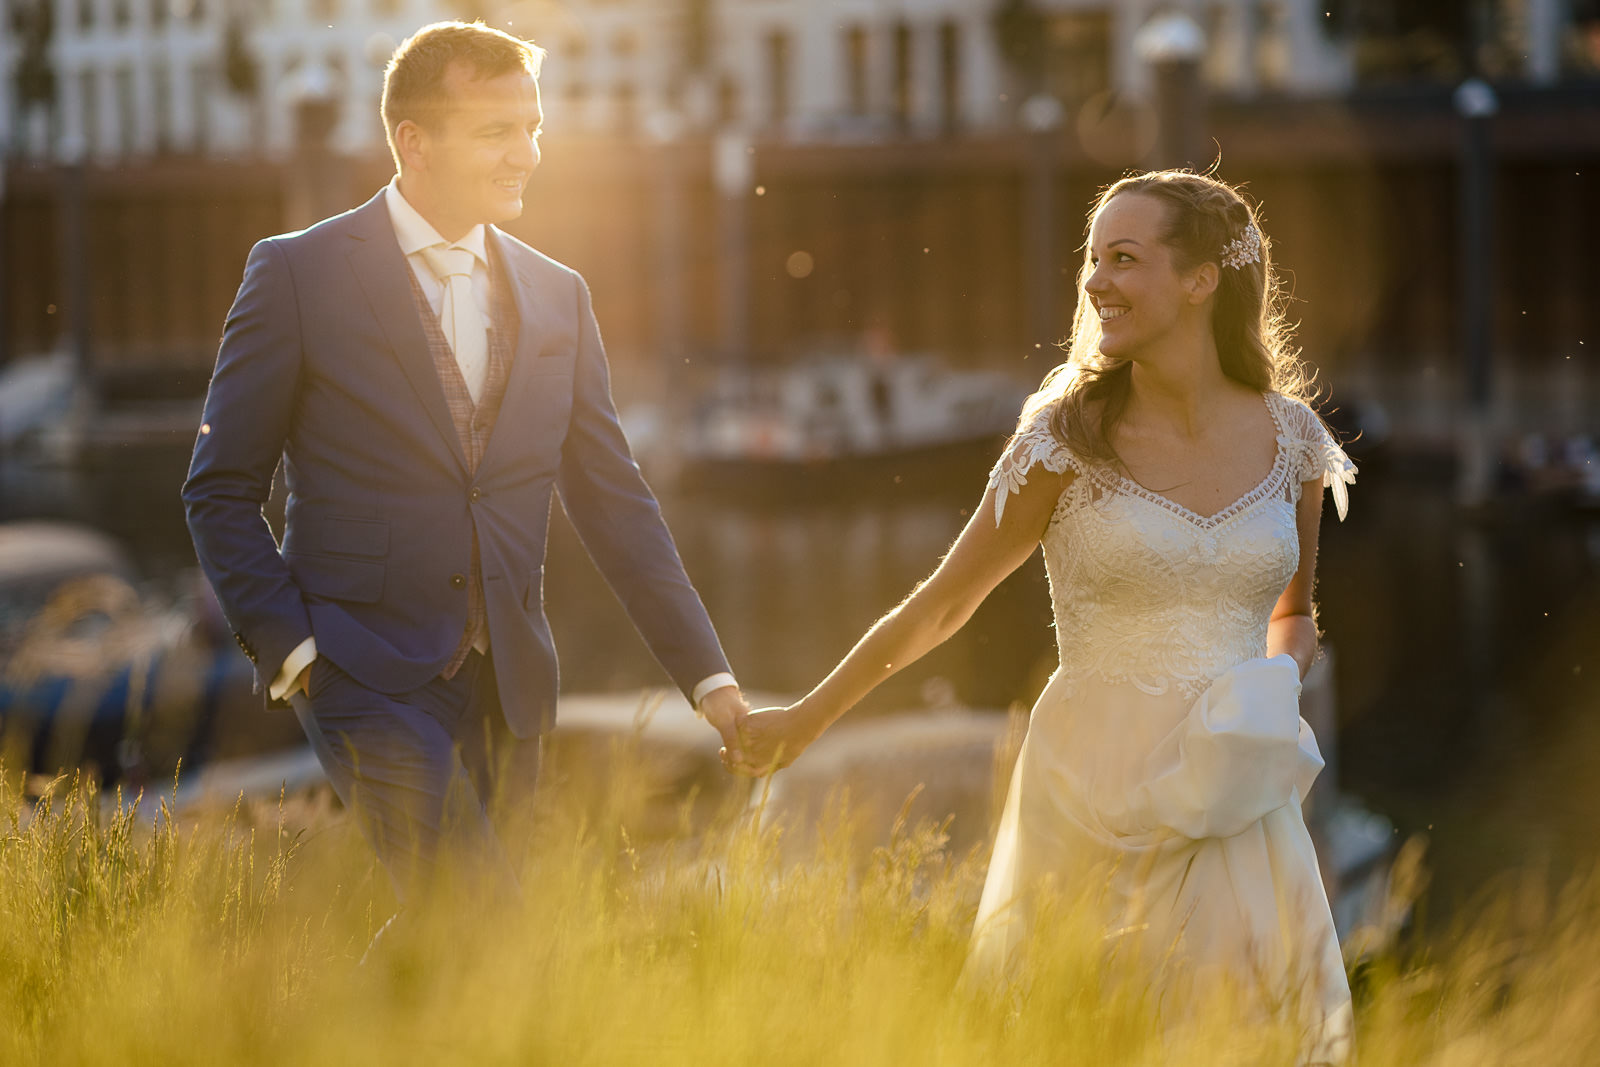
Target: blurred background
x=832 y=245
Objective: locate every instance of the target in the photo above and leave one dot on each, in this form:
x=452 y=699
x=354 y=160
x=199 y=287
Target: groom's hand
x=726 y=709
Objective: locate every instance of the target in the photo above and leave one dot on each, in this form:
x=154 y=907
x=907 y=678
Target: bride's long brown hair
x=1089 y=392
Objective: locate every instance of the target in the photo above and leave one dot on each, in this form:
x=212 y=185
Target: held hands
x=756 y=743
x=725 y=709
x=773 y=739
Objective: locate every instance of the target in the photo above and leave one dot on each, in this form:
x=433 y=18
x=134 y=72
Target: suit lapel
x=382 y=269
x=525 y=346
x=529 y=328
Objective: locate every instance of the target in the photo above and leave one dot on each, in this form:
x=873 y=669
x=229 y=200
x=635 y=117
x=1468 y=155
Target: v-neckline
x=1251 y=496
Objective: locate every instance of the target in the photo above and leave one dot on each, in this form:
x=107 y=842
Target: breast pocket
x=554 y=362
x=552 y=353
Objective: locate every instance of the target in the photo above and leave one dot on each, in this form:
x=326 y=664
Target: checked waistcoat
x=473 y=422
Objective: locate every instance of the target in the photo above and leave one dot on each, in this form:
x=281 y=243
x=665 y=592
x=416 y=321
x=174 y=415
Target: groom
x=427 y=382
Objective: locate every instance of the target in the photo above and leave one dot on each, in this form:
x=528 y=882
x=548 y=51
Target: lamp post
x=732 y=171
x=74 y=237
x=1042 y=117
x=666 y=132
x=1172 y=45
x=315 y=180
x=5 y=317
x=1476 y=103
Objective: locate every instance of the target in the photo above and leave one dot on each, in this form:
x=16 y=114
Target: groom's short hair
x=414 y=82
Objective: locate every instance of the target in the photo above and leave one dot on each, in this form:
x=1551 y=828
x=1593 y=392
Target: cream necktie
x=459 y=316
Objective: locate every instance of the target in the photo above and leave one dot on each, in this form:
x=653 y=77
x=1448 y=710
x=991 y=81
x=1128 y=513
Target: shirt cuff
x=295 y=662
x=708 y=686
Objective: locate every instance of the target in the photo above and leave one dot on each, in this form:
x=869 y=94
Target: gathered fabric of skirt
x=1165 y=762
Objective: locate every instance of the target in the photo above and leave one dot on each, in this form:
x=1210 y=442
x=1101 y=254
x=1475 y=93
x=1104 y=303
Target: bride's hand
x=773 y=739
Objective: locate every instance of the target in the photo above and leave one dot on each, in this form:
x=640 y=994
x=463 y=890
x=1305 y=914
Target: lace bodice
x=1148 y=593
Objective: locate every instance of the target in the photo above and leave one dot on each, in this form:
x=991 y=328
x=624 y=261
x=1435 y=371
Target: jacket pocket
x=333 y=578
x=335 y=535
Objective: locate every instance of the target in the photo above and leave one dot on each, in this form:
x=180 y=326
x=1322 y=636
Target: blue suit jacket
x=323 y=363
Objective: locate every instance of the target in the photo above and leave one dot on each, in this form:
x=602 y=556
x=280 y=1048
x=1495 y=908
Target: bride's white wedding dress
x=1166 y=758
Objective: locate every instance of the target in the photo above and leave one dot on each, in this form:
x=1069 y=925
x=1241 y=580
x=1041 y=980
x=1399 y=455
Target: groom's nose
x=525 y=153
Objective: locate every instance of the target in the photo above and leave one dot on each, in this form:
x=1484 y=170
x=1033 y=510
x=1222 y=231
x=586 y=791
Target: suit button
x=475 y=495
x=458 y=581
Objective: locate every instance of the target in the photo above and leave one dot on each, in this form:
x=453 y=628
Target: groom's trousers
x=434 y=777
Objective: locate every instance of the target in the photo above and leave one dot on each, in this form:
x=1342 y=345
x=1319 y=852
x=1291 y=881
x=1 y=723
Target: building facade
x=124 y=79
x=109 y=80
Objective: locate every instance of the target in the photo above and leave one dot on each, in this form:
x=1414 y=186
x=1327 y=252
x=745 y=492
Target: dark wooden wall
x=921 y=244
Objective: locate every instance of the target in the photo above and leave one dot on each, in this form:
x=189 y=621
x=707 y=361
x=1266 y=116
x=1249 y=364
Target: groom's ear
x=411 y=144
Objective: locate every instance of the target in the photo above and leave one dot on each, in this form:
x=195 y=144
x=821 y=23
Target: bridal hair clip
x=1246 y=248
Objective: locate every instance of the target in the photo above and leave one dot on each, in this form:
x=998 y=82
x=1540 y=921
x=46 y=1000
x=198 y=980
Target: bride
x=1173 y=474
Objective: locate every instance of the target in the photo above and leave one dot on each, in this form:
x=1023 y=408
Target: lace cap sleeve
x=1321 y=456
x=1032 y=445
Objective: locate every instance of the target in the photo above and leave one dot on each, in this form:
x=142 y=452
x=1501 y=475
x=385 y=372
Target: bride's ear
x=1202 y=282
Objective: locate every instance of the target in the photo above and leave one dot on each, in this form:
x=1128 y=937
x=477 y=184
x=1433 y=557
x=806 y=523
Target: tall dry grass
x=132 y=935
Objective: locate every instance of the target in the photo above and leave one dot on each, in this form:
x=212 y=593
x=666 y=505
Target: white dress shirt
x=414 y=234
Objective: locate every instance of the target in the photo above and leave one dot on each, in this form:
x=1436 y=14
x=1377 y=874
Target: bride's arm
x=981 y=557
x=1293 y=628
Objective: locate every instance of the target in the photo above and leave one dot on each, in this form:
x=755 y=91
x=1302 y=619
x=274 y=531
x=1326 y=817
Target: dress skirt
x=1180 y=819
